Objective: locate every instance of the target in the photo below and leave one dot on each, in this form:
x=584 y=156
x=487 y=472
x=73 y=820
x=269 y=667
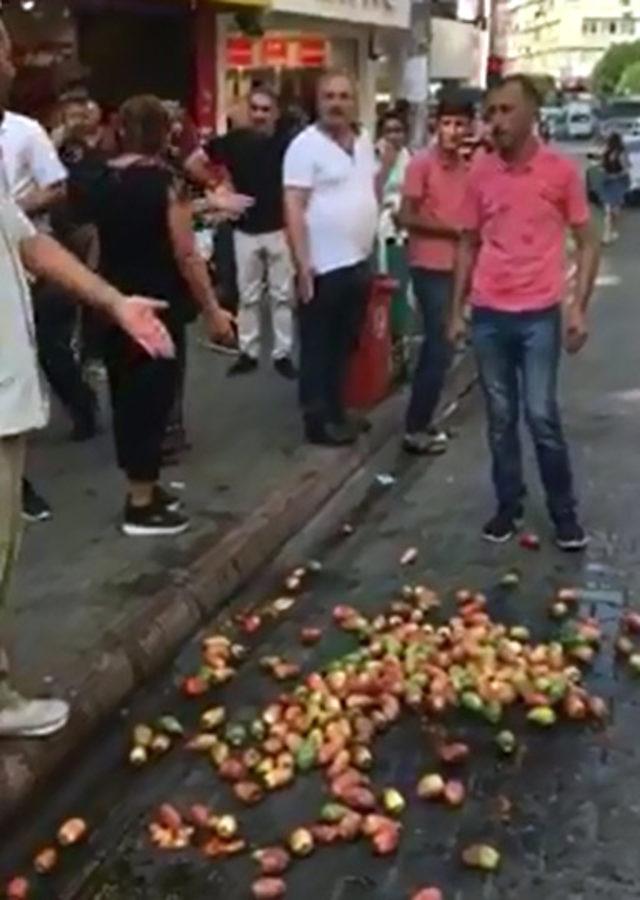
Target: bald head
x=336 y=100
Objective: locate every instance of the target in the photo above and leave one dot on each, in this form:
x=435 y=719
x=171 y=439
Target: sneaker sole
x=43 y=517
x=41 y=732
x=151 y=531
x=493 y=539
x=573 y=546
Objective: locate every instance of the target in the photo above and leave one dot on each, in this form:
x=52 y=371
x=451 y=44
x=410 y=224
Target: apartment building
x=566 y=38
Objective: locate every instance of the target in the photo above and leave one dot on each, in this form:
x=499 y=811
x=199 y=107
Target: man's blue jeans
x=433 y=292
x=518 y=360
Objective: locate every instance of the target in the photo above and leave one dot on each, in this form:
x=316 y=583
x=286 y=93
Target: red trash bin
x=369 y=374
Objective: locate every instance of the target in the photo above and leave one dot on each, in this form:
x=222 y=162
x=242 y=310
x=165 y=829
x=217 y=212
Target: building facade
x=298 y=38
x=566 y=38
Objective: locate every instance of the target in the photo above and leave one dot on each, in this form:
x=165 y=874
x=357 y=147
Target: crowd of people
x=311 y=212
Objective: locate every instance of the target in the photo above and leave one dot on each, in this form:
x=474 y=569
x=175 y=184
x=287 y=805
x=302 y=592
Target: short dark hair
x=392 y=115
x=526 y=85
x=453 y=103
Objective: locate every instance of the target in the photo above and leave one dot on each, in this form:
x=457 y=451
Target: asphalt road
x=575 y=791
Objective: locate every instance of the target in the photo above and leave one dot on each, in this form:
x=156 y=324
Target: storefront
x=302 y=37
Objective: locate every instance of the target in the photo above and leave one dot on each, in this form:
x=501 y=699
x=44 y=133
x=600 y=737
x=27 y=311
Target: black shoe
x=500 y=529
x=330 y=435
x=163 y=498
x=286 y=368
x=243 y=365
x=571 y=536
x=34 y=507
x=154 y=519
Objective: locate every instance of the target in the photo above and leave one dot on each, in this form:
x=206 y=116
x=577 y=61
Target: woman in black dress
x=147 y=247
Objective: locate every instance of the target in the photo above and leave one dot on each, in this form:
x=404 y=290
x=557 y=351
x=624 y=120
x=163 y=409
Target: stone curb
x=144 y=639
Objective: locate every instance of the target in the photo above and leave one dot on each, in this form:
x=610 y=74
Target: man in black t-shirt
x=253 y=158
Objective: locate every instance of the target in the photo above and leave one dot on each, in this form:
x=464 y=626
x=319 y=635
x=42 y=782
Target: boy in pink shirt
x=432 y=212
x=522 y=200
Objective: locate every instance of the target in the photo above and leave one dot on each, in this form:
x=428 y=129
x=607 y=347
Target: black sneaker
x=34 y=507
x=243 y=365
x=571 y=536
x=166 y=499
x=286 y=368
x=500 y=529
x=152 y=520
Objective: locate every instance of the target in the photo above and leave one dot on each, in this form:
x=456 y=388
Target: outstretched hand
x=138 y=317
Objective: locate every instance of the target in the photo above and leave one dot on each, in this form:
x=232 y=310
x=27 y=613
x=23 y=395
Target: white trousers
x=263 y=262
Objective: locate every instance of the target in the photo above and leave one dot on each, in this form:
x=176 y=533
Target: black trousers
x=330 y=326
x=56 y=319
x=143 y=391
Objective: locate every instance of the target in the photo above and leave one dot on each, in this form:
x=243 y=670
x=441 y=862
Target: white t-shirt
x=23 y=402
x=342 y=213
x=29 y=158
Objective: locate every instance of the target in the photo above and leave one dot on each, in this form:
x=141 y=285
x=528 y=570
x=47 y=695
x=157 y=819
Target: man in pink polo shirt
x=431 y=211
x=522 y=200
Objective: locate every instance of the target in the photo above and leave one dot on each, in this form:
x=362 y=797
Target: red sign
x=275 y=51
x=239 y=52
x=312 y=52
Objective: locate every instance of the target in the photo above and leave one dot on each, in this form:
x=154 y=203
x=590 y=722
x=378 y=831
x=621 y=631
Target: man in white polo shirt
x=331 y=213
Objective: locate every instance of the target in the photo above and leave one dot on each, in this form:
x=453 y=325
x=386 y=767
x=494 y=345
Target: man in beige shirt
x=23 y=404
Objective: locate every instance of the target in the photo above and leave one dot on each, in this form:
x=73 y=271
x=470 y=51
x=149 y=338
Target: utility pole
x=417 y=71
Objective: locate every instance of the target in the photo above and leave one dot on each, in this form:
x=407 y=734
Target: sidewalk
x=78 y=574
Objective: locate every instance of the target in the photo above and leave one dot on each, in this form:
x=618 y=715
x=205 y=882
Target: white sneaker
x=22 y=718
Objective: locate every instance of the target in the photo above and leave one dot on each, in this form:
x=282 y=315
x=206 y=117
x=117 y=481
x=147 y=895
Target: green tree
x=630 y=81
x=609 y=70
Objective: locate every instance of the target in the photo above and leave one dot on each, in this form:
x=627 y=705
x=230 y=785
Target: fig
x=201 y=816
x=507 y=742
x=332 y=813
x=359 y=798
x=429 y=893
x=251 y=624
x=142 y=736
x=272 y=860
x=227 y=827
x=350 y=826
x=138 y=756
x=301 y=842
x=72 y=832
x=431 y=787
x=453 y=754
x=481 y=856
x=624 y=646
x=248 y=792
x=385 y=841
x=194 y=686
x=634 y=663
x=268 y=888
x=232 y=770
x=170 y=725
x=161 y=744
x=529 y=541
x=283 y=604
x=454 y=793
x=325 y=834
x=544 y=716
x=510 y=580
x=46 y=861
x=362 y=757
x=309 y=636
x=393 y=802
x=212 y=718
x=169 y=817
x=598 y=708
x=631 y=622
x=559 y=610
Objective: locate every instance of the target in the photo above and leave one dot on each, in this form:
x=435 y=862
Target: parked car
x=621 y=115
